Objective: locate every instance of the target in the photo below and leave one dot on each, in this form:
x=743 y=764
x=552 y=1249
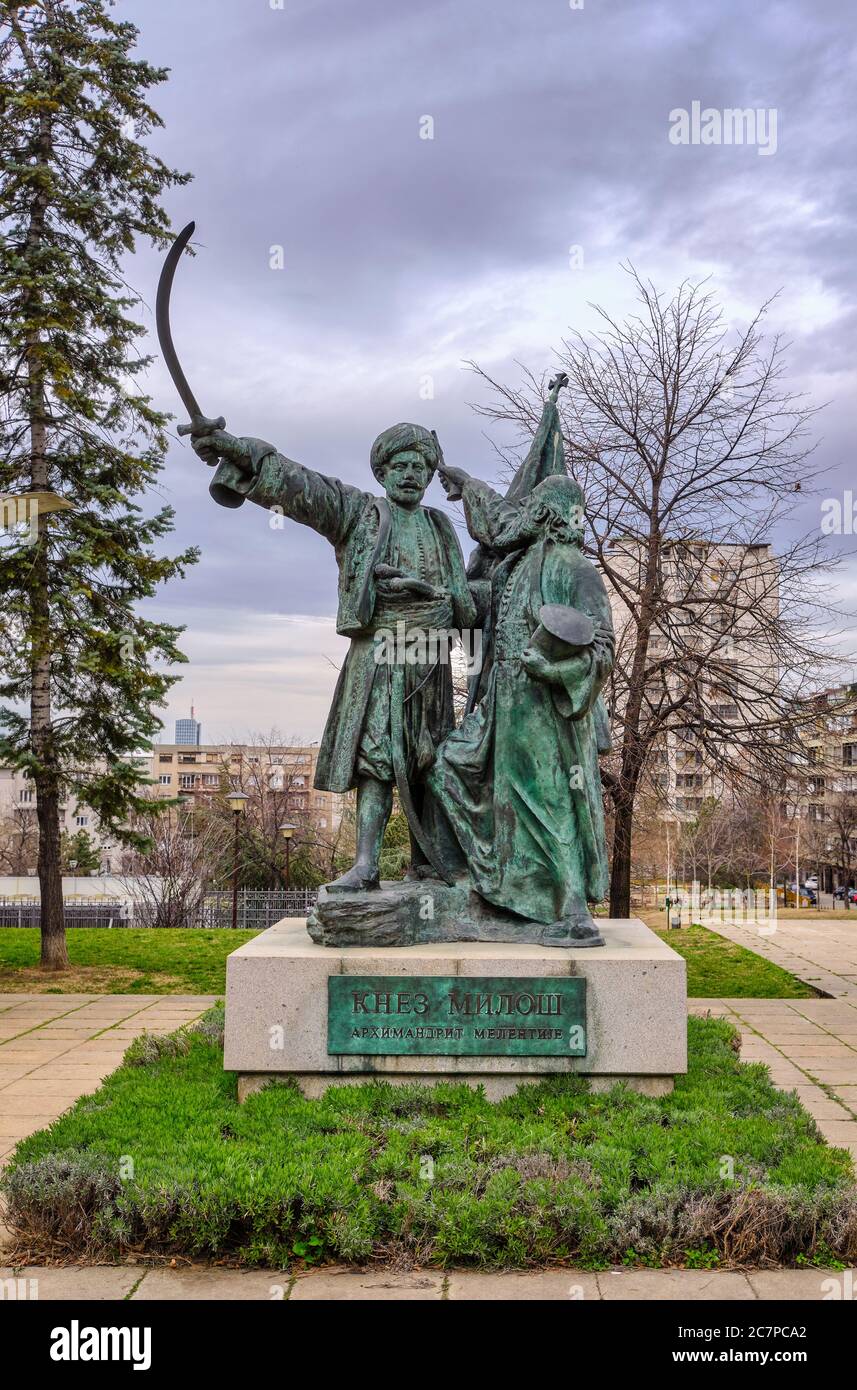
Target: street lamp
x=237 y=802
x=188 y=806
x=287 y=831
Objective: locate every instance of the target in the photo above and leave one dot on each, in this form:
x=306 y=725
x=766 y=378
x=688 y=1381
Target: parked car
x=812 y=882
x=842 y=890
x=795 y=894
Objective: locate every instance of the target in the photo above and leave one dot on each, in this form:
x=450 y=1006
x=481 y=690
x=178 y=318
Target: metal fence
x=99 y=913
x=257 y=909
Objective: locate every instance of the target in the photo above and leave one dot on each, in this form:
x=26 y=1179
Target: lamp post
x=188 y=805
x=237 y=802
x=287 y=831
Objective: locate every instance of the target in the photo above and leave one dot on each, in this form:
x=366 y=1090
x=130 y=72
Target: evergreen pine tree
x=78 y=188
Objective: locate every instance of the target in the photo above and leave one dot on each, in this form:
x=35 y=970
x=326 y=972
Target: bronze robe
x=519 y=782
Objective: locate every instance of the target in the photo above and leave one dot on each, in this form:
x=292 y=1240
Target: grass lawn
x=720 y=969
x=162 y=1160
x=124 y=960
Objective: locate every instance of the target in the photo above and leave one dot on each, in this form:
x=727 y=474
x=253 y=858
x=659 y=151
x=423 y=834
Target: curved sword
x=165 y=337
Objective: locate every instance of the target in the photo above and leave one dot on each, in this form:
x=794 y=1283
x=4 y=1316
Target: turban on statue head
x=398 y=438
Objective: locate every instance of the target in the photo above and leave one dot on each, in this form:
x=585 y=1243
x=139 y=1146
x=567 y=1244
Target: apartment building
x=206 y=770
x=711 y=642
x=826 y=784
x=187 y=771
x=18 y=809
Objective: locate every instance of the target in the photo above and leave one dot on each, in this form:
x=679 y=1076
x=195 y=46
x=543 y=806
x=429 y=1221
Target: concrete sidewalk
x=809 y=1046
x=57 y=1047
x=129 y=1282
x=821 y=952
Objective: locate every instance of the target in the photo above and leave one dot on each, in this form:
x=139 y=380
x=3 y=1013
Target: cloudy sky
x=404 y=257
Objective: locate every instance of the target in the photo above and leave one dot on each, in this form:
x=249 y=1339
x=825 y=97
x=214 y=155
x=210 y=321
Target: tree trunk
x=632 y=751
x=54 y=949
x=46 y=777
x=620 y=870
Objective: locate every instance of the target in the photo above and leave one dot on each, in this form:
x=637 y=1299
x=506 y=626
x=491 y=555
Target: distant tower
x=188 y=732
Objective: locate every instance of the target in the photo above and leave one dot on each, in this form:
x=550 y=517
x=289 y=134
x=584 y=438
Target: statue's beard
x=535 y=524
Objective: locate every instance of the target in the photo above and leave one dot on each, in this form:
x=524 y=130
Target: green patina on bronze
x=504 y=811
x=455 y=1015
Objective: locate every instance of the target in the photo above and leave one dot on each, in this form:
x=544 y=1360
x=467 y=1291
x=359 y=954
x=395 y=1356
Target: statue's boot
x=374 y=803
x=417 y=872
x=575 y=932
x=355 y=880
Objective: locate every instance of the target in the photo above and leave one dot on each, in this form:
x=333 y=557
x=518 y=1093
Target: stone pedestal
x=277 y=1002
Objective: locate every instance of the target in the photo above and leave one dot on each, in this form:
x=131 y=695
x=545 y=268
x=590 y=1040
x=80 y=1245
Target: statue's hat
x=398 y=438
x=570 y=625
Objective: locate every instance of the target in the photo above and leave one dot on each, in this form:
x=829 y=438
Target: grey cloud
x=405 y=256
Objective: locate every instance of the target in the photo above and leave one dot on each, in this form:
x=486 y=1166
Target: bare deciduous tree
x=279 y=792
x=690 y=448
x=19 y=842
x=170 y=878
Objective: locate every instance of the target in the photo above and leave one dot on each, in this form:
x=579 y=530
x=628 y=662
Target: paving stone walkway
x=129 y=1282
x=57 y=1047
x=820 y=951
x=810 y=1046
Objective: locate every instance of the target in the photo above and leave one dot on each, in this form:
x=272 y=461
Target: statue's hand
x=406 y=584
x=212 y=443
x=452 y=480
x=537 y=665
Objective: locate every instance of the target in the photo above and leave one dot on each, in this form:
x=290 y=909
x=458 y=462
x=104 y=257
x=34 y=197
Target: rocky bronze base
x=414 y=912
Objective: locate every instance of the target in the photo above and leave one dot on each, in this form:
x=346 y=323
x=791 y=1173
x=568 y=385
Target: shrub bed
x=162 y=1160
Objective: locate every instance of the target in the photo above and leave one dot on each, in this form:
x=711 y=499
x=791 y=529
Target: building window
x=165 y=779
x=81 y=820
x=849 y=755
x=186 y=781
x=27 y=795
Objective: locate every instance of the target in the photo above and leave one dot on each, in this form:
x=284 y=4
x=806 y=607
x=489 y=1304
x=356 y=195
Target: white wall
x=97 y=887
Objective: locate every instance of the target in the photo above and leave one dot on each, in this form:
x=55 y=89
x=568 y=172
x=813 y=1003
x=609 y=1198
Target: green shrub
x=726 y=1170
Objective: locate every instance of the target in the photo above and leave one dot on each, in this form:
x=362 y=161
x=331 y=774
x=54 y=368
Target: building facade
x=19 y=825
x=189 y=731
x=209 y=770
x=710 y=656
x=826 y=785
